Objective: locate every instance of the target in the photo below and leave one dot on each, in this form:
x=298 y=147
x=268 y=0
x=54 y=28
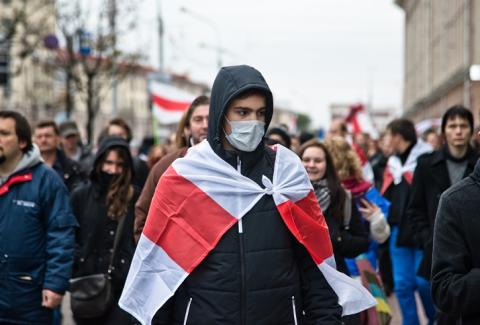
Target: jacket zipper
x=243 y=296
x=294 y=311
x=187 y=311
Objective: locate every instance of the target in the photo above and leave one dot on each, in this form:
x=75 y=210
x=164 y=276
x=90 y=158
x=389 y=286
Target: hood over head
x=107 y=143
x=228 y=85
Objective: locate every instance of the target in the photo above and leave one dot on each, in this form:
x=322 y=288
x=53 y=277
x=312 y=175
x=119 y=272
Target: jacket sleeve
x=60 y=227
x=455 y=283
x=379 y=228
x=320 y=301
x=349 y=241
x=417 y=208
x=143 y=203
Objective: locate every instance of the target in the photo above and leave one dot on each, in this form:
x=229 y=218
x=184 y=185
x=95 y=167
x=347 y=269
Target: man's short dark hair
x=22 y=128
x=404 y=128
x=48 y=124
x=460 y=111
x=118 y=121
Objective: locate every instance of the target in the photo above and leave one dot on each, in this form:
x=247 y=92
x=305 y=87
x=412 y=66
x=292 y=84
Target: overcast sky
x=311 y=52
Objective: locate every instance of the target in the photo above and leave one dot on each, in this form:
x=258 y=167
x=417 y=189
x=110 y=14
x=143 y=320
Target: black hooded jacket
x=96 y=234
x=261 y=275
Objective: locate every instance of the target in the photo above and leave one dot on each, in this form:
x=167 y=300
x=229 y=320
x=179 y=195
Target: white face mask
x=246 y=135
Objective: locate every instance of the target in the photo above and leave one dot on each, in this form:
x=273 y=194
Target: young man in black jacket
x=435 y=173
x=47 y=137
x=257 y=273
x=396 y=188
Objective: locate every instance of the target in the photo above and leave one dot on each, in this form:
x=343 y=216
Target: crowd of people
x=404 y=204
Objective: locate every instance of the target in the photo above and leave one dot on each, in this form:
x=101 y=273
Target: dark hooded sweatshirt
x=262 y=275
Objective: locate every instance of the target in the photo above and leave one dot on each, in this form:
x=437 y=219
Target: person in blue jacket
x=37 y=228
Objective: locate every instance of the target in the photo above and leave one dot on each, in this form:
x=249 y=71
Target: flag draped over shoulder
x=395 y=171
x=197 y=200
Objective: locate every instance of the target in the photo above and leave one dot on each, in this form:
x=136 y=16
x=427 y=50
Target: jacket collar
x=476 y=172
x=439 y=156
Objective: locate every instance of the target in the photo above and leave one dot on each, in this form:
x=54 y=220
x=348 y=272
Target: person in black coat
x=98 y=206
x=348 y=234
x=47 y=137
x=258 y=273
x=396 y=188
x=435 y=173
x=456 y=257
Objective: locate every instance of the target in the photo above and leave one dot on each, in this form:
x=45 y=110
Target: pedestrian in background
x=72 y=145
x=47 y=137
x=192 y=129
x=405 y=255
x=435 y=173
x=37 y=228
x=348 y=234
x=100 y=206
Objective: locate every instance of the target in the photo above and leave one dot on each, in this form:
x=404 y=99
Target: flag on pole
x=359 y=121
x=182 y=229
x=168 y=102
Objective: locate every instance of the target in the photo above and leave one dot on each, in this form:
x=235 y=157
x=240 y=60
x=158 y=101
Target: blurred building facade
x=442 y=43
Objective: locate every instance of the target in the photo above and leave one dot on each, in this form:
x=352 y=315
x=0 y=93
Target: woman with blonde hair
x=348 y=167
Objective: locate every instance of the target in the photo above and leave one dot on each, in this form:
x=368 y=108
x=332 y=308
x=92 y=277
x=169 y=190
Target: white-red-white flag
x=197 y=200
x=396 y=171
x=168 y=102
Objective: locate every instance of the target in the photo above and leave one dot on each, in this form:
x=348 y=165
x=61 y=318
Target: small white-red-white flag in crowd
x=396 y=171
x=211 y=197
x=359 y=121
x=168 y=102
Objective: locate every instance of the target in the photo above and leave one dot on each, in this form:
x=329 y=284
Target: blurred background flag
x=168 y=102
x=360 y=121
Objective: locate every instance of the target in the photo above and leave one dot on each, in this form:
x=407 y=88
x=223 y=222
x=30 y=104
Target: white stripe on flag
x=352 y=295
x=290 y=177
x=219 y=180
x=170 y=92
x=152 y=279
x=164 y=116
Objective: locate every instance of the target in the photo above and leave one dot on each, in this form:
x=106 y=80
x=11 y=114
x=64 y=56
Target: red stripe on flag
x=408 y=175
x=387 y=181
x=170 y=105
x=186 y=223
x=305 y=220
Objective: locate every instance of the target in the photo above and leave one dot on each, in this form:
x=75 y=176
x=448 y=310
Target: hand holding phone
x=368 y=209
